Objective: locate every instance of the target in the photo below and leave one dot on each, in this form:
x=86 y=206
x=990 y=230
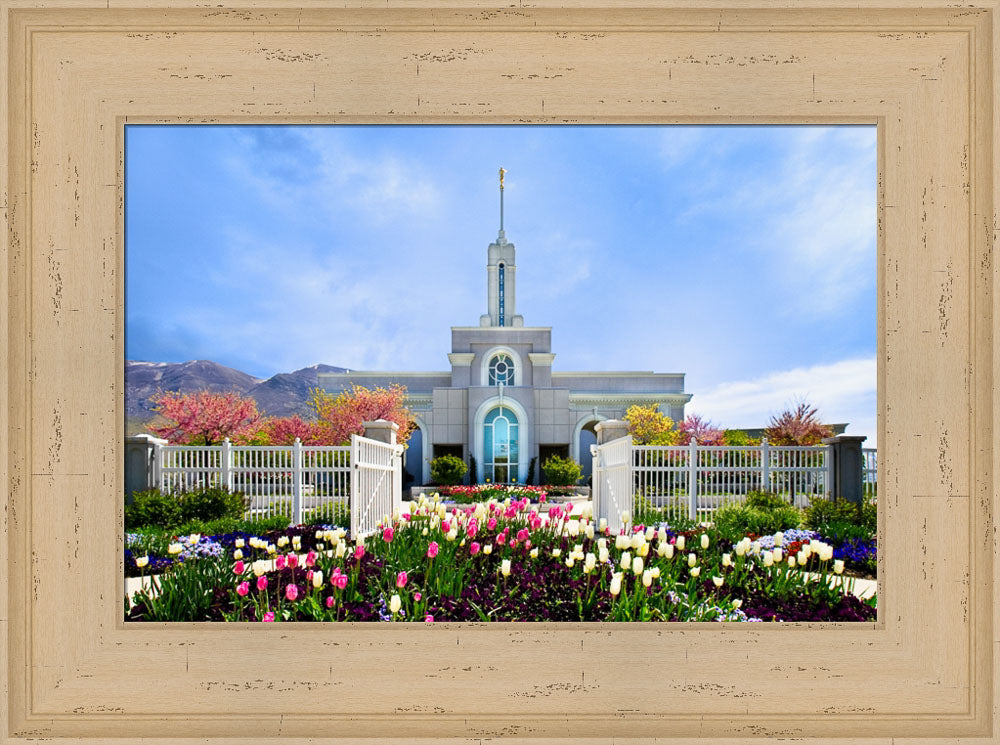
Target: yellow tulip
x=142 y=561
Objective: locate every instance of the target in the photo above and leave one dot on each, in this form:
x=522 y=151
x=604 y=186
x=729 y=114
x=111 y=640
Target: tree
x=285 y=430
x=649 y=426
x=798 y=426
x=204 y=418
x=342 y=415
x=701 y=430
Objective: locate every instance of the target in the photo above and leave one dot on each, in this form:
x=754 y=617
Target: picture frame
x=78 y=71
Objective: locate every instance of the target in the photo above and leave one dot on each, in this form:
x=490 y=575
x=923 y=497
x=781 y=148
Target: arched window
x=500 y=446
x=502 y=370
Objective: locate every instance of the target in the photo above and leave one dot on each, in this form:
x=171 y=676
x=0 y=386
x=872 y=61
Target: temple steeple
x=500 y=278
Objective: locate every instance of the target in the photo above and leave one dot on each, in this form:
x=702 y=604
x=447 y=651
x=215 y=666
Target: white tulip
x=650 y=532
x=317 y=579
x=573 y=528
x=395 y=604
x=756 y=547
x=696 y=571
x=533 y=553
x=505 y=567
x=174 y=548
x=625 y=560
x=488 y=549
x=644 y=550
x=142 y=561
x=341 y=550
x=622 y=541
x=616 y=584
x=260 y=567
x=569 y=561
x=776 y=553
x=679 y=543
x=727 y=560
x=704 y=540
x=692 y=560
x=791 y=561
x=556 y=553
x=637 y=565
x=589 y=530
x=655 y=571
x=603 y=524
x=589 y=562
x=237 y=554
x=768 y=559
x=737 y=603
x=779 y=539
x=647 y=578
x=838 y=566
x=602 y=554
x=637 y=540
x=717 y=581
x=661 y=534
x=239 y=543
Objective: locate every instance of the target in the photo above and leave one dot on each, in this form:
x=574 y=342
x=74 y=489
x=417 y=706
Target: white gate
x=613 y=491
x=376 y=483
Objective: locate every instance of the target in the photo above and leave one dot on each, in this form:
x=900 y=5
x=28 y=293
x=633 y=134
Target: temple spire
x=501 y=235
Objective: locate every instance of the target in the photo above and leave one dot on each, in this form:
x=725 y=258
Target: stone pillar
x=381 y=430
x=610 y=429
x=847 y=467
x=140 y=463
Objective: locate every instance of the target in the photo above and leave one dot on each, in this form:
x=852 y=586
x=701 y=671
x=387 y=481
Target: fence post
x=158 y=478
x=226 y=465
x=693 y=479
x=765 y=465
x=829 y=470
x=297 y=482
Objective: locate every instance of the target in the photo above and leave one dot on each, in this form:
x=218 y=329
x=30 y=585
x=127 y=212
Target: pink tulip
x=401 y=579
x=309 y=574
x=387 y=535
x=269 y=616
x=262 y=583
x=310 y=558
x=239 y=567
x=359 y=552
x=335 y=572
x=242 y=589
x=491 y=523
x=543 y=499
x=432 y=550
x=292 y=592
x=417 y=596
x=527 y=544
x=279 y=562
x=341 y=581
x=293 y=560
x=329 y=602
x=474 y=548
x=428 y=618
x=522 y=534
x=445 y=526
x=501 y=539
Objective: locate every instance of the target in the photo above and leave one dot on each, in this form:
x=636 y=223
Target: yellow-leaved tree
x=649 y=426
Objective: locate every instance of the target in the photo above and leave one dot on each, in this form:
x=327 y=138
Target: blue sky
x=743 y=256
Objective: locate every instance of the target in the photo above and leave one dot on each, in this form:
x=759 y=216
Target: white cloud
x=842 y=391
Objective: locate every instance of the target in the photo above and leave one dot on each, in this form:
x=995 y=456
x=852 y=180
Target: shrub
x=736 y=520
x=473 y=478
x=531 y=471
x=152 y=508
x=331 y=513
x=561 y=471
x=764 y=500
x=211 y=504
x=447 y=469
x=823 y=513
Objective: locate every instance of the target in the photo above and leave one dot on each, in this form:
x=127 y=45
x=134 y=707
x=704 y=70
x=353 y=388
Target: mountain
x=280 y=395
x=285 y=394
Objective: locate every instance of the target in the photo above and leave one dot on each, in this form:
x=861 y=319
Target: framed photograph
x=81 y=77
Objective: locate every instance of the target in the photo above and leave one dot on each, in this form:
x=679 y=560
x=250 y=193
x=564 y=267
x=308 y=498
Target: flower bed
x=497 y=562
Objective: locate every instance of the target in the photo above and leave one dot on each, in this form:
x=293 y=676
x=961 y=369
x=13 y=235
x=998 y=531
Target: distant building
x=501 y=403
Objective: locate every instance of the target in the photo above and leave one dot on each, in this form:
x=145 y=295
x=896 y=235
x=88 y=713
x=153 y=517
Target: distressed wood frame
x=78 y=70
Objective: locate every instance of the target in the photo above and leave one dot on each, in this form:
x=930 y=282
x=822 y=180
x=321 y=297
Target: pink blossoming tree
x=204 y=418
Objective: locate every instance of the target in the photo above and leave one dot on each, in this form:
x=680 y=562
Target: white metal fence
x=613 y=490
x=294 y=480
x=693 y=480
x=869 y=473
x=376 y=483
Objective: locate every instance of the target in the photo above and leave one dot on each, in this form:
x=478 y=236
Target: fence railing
x=293 y=480
x=869 y=473
x=613 y=490
x=376 y=483
x=693 y=480
x=285 y=479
